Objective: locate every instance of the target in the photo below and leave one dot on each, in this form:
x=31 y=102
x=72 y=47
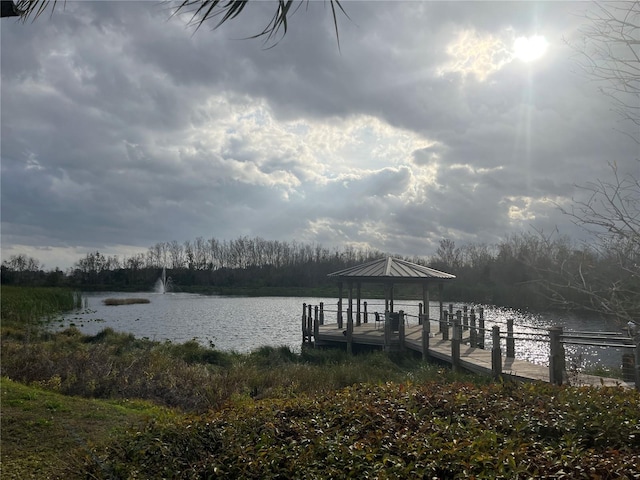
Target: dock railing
x=453 y=325
x=555 y=336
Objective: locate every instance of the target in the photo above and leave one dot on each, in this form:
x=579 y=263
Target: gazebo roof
x=391 y=269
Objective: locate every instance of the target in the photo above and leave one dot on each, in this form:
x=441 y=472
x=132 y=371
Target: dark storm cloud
x=122 y=127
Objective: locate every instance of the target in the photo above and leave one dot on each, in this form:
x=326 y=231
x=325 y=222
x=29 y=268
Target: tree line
x=242 y=262
x=516 y=272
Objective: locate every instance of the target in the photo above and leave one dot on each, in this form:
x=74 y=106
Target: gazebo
x=388 y=271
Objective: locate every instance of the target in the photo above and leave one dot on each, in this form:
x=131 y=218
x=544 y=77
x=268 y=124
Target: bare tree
x=22 y=263
x=610 y=54
x=605 y=274
x=607 y=271
x=448 y=256
x=176 y=254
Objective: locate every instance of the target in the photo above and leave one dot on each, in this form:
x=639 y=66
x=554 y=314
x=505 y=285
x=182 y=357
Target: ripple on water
x=243 y=324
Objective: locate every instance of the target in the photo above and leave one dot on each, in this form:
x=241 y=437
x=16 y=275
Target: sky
x=123 y=126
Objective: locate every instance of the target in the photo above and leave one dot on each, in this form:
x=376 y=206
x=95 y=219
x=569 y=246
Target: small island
x=125 y=301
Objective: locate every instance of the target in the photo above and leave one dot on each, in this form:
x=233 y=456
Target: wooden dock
x=476 y=360
x=458 y=339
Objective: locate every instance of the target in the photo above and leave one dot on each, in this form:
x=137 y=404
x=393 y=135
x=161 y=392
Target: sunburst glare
x=529 y=49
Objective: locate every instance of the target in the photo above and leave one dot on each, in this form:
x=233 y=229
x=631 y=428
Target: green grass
x=96 y=407
x=44 y=434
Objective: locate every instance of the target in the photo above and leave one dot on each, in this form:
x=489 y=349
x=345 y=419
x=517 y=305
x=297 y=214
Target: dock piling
x=316 y=322
x=304 y=323
x=387 y=330
x=456 y=335
x=511 y=344
x=556 y=356
x=481 y=329
x=401 y=330
x=637 y=353
x=465 y=318
x=349 y=331
x=444 y=326
x=496 y=352
x=473 y=332
x=426 y=333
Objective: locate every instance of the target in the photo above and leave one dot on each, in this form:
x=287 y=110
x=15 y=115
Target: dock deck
x=476 y=360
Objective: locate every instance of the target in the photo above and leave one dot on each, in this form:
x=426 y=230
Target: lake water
x=243 y=324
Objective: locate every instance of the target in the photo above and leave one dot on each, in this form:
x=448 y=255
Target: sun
x=529 y=49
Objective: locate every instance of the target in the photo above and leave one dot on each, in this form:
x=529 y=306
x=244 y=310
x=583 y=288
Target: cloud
x=122 y=127
x=472 y=53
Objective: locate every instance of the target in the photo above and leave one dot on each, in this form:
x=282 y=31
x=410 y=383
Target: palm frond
x=32 y=9
x=203 y=11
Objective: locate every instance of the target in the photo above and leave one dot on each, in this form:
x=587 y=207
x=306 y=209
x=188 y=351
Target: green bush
x=273 y=356
x=392 y=430
x=192 y=352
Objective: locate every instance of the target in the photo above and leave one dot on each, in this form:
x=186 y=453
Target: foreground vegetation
x=44 y=433
x=433 y=430
x=121 y=407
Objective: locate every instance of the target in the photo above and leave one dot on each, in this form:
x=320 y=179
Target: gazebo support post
x=349 y=331
x=350 y=308
x=391 y=300
x=426 y=324
x=339 y=319
x=386 y=297
x=440 y=301
x=358 y=300
x=350 y=318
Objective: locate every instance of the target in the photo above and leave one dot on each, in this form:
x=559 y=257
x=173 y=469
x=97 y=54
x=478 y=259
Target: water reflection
x=230 y=323
x=244 y=323
x=532 y=341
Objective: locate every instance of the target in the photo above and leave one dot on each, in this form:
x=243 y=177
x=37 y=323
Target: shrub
x=435 y=430
x=192 y=352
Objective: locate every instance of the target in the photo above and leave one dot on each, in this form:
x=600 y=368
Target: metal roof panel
x=392 y=268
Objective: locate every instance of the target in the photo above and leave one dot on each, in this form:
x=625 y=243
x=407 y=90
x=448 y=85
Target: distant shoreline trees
x=515 y=272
